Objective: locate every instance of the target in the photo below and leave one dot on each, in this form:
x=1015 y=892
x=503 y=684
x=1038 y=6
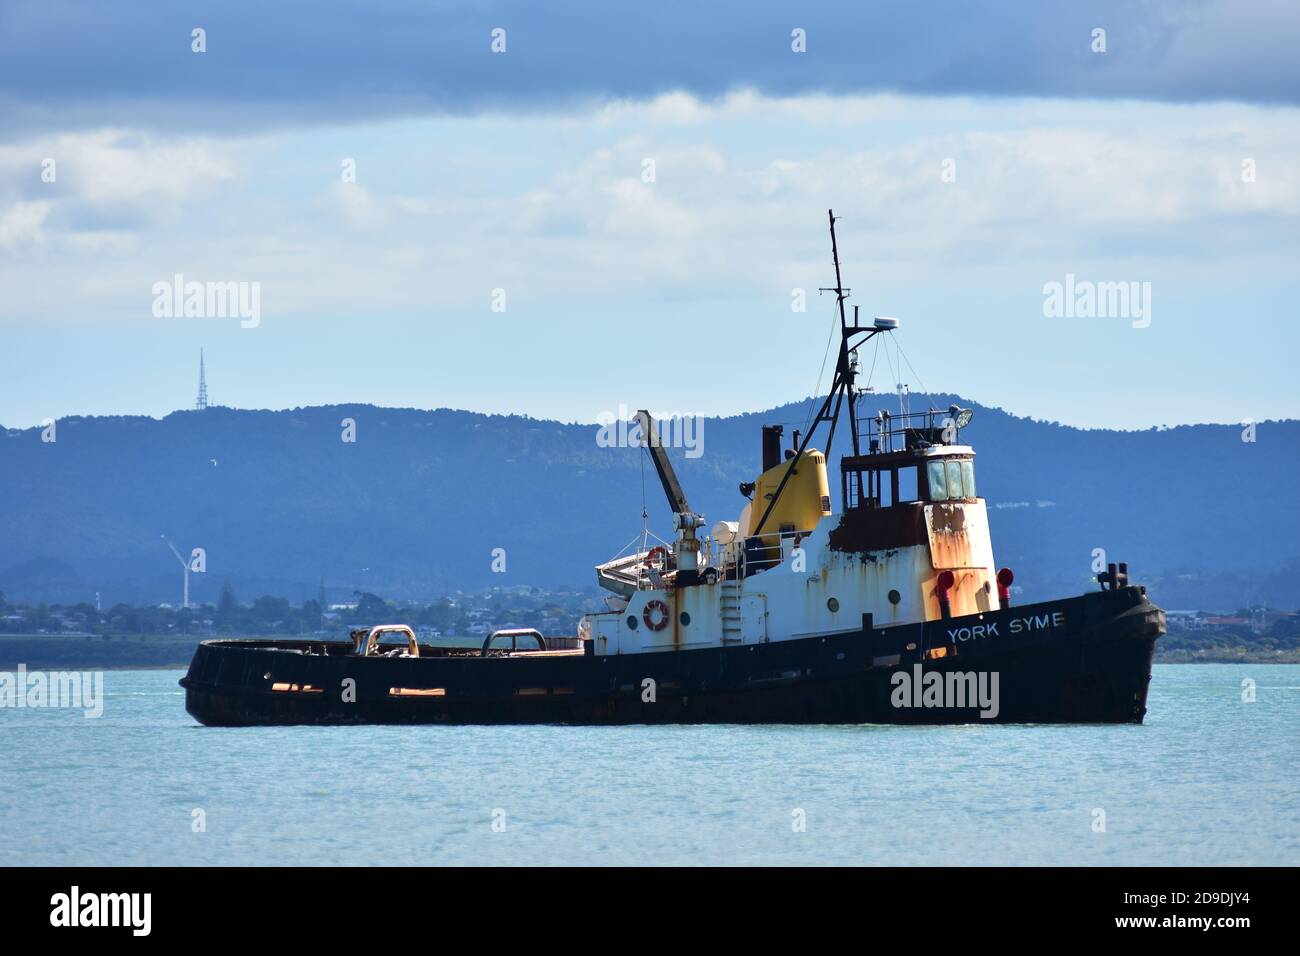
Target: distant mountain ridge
x=416 y=505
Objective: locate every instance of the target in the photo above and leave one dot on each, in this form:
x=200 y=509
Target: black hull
x=1079 y=660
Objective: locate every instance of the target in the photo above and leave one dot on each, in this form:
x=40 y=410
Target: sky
x=625 y=206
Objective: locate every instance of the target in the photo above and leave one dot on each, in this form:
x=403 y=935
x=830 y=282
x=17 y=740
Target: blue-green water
x=1209 y=779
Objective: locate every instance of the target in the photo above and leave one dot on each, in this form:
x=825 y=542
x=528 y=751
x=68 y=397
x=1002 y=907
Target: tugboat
x=892 y=612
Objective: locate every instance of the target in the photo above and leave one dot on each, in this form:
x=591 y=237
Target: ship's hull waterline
x=1078 y=660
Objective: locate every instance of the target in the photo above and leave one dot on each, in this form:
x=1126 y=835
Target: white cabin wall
x=797 y=601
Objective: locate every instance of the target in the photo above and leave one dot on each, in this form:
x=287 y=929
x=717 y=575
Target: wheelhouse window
x=907 y=485
x=950 y=479
x=893 y=486
x=954 y=479
x=938 y=481
x=935 y=479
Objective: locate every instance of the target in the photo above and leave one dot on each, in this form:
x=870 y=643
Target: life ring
x=661 y=608
x=657 y=550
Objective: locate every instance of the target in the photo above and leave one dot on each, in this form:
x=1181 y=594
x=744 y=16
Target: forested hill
x=416 y=504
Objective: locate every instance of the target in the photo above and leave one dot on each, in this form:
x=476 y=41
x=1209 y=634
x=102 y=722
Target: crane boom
x=663 y=467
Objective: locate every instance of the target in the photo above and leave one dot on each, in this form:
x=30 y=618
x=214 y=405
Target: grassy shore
x=63 y=652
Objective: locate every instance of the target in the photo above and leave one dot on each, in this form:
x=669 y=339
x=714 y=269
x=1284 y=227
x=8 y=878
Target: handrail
x=882 y=428
x=514 y=633
x=758 y=549
x=372 y=639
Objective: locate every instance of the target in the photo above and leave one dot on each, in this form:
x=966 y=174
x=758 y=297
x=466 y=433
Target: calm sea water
x=1208 y=779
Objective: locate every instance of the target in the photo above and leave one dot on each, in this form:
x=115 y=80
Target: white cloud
x=112 y=166
x=21 y=223
x=739 y=199
x=117 y=166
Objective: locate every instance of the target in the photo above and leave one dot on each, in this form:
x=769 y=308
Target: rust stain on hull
x=968 y=595
x=950 y=542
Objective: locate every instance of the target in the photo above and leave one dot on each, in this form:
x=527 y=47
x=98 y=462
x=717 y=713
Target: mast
x=845 y=359
x=842 y=386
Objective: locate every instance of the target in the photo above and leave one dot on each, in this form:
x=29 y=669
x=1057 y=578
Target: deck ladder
x=729 y=597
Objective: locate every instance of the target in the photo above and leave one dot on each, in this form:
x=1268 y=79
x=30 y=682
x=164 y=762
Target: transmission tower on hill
x=202 y=401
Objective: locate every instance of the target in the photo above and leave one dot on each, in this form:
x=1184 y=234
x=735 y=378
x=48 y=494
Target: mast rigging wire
x=822 y=371
x=925 y=391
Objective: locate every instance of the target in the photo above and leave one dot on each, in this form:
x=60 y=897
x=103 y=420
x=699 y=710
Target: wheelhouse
x=915 y=457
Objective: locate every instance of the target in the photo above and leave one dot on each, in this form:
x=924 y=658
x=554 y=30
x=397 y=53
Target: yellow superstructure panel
x=805 y=500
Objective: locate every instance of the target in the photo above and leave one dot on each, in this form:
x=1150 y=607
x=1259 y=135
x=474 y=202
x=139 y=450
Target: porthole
x=895 y=597
x=686 y=619
x=833 y=604
x=631 y=622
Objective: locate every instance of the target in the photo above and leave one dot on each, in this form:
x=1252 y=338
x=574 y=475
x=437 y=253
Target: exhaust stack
x=772 y=446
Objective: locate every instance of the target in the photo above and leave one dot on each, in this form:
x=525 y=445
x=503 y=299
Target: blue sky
x=976 y=152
